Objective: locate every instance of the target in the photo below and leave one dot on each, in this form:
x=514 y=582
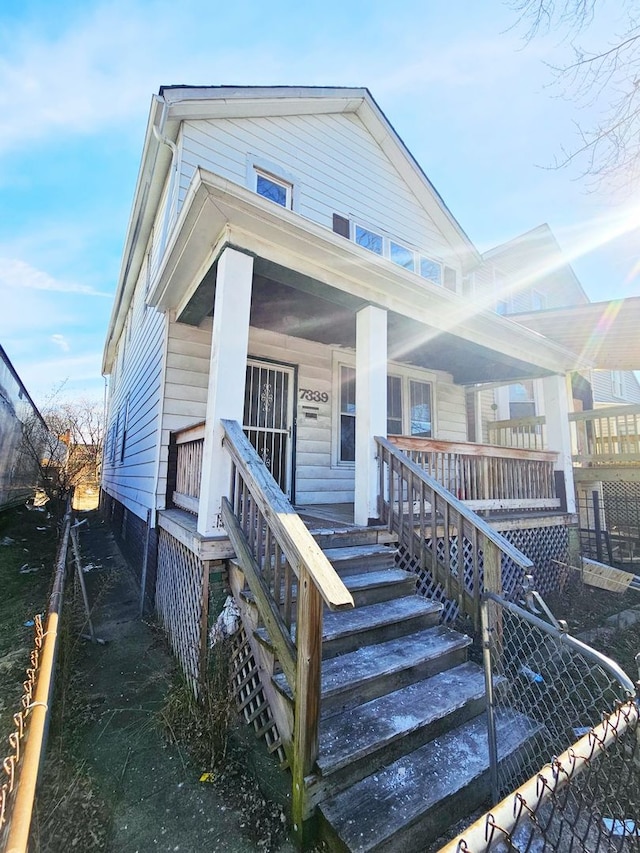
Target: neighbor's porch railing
x=462 y=552
x=290 y=579
x=486 y=477
x=525 y=433
x=185 y=467
x=606 y=436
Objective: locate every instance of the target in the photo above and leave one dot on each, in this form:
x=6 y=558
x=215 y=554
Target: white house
x=292 y=282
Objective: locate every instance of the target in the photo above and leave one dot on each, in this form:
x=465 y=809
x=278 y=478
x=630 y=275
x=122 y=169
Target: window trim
x=388 y=241
x=255 y=165
x=405 y=373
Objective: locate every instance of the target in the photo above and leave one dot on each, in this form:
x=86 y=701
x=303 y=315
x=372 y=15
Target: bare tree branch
x=607 y=80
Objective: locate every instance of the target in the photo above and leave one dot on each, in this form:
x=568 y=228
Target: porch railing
x=486 y=477
x=462 y=552
x=186 y=452
x=290 y=579
x=525 y=433
x=606 y=436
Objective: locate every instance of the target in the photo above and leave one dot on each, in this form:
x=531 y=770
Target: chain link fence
x=555 y=703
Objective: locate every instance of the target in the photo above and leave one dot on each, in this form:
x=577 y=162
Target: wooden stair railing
x=282 y=562
x=422 y=512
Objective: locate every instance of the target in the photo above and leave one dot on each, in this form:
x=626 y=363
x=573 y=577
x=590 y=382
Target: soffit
x=604 y=333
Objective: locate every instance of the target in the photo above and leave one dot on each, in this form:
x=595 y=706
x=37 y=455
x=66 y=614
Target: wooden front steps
x=402 y=744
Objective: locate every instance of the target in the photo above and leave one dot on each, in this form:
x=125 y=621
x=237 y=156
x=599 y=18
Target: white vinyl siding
x=130 y=470
x=341 y=168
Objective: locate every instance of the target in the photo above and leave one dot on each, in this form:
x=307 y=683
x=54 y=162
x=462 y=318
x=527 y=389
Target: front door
x=268 y=417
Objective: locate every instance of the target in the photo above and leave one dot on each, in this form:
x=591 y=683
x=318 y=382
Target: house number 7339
x=314 y=396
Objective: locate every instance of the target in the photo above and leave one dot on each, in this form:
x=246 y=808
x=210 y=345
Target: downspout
x=164 y=140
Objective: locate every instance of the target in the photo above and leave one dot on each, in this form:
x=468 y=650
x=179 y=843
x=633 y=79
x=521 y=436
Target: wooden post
x=493 y=583
x=556 y=405
x=307 y=694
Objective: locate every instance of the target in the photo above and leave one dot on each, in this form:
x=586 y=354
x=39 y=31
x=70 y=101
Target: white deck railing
x=608 y=436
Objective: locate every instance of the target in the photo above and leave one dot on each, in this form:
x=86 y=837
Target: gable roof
x=536 y=255
x=178 y=103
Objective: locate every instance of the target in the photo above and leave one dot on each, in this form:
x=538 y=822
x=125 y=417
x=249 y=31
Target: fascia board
x=147 y=193
x=215 y=207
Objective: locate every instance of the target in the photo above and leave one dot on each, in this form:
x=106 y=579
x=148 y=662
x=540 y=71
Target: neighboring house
x=20 y=438
x=293 y=283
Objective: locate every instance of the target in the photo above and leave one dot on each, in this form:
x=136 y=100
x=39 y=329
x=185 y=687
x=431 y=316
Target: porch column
x=371 y=407
x=227 y=372
x=556 y=406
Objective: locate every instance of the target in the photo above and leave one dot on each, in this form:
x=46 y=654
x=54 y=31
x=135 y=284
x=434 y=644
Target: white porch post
x=556 y=406
x=227 y=372
x=371 y=406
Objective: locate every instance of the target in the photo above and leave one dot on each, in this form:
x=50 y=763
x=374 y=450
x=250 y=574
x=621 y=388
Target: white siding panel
x=137 y=391
x=451 y=421
x=338 y=166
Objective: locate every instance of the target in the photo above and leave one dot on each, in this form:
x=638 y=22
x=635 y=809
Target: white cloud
x=19 y=275
x=61 y=341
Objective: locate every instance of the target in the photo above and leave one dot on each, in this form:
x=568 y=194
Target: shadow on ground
x=152 y=799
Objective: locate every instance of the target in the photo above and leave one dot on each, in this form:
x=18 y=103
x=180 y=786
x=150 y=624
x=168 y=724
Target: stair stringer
x=279 y=708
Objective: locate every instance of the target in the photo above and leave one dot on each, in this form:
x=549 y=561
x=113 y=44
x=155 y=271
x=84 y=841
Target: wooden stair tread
x=380 y=577
x=372 y=616
x=368 y=815
x=393 y=656
x=359 y=552
x=362 y=730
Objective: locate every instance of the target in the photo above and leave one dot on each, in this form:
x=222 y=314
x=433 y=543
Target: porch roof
x=318 y=280
x=605 y=333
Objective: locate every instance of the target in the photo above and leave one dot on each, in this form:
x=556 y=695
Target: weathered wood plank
x=278 y=632
x=294 y=538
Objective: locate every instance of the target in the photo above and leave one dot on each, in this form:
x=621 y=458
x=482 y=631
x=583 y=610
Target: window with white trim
x=395 y=251
x=274 y=188
x=617 y=383
x=347 y=442
x=409 y=408
x=538 y=300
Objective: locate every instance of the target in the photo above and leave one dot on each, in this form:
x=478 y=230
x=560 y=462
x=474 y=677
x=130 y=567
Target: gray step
x=358 y=558
x=382 y=585
x=348 y=630
x=351 y=679
x=347 y=536
x=363 y=739
x=413 y=800
x=368 y=587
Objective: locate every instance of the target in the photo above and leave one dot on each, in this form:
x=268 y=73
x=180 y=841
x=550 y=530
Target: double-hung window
x=347 y=448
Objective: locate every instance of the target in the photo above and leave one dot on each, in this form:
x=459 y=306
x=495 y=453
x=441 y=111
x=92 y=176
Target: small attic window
x=273 y=188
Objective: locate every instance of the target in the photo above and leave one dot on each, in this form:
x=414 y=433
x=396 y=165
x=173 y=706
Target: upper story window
x=400 y=254
x=274 y=188
x=369 y=239
x=538 y=300
x=617 y=383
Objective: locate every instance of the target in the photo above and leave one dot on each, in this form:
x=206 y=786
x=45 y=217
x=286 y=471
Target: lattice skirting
x=542 y=545
x=182 y=604
x=622 y=507
x=250 y=697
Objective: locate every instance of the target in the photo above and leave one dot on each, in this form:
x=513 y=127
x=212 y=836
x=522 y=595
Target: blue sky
x=470 y=97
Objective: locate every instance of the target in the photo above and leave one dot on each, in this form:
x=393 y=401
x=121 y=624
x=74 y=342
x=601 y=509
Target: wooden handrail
x=297 y=543
x=282 y=561
x=420 y=510
x=491 y=451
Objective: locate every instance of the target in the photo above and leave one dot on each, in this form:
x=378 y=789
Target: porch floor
x=317 y=515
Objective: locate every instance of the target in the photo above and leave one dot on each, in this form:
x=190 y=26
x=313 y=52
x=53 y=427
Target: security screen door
x=268 y=417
